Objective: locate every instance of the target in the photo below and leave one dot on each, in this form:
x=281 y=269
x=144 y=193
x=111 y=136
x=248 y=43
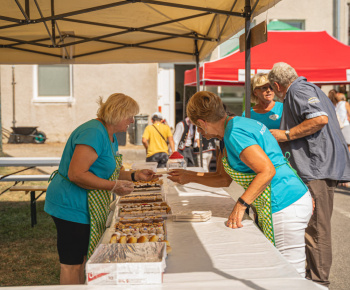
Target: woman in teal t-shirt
x=79 y=194
x=266 y=110
x=255 y=161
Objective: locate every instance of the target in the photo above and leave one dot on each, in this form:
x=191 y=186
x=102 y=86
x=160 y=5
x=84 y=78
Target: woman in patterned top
x=254 y=160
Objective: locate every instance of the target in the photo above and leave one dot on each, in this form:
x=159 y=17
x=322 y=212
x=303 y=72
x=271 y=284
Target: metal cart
x=24 y=135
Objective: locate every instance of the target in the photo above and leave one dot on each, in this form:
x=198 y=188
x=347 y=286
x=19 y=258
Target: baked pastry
x=132 y=240
x=154 y=238
x=168 y=249
x=114 y=239
x=122 y=240
x=165 y=241
x=142 y=239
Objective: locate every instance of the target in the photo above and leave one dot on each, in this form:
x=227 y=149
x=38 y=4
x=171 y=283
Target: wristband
x=133 y=176
x=242 y=202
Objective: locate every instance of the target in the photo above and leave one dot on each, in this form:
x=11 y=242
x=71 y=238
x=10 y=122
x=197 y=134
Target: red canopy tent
x=315 y=55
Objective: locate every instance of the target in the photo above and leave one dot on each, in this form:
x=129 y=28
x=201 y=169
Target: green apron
x=99 y=201
x=262 y=203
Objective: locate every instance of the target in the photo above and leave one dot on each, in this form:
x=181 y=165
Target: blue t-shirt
x=66 y=200
x=240 y=133
x=271 y=119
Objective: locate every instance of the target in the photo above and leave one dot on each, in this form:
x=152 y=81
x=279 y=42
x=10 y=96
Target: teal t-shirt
x=271 y=119
x=240 y=133
x=66 y=200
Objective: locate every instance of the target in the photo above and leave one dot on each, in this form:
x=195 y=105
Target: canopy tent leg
x=247 y=11
x=198 y=89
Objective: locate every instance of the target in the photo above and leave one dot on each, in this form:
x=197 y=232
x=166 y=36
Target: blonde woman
x=79 y=194
x=266 y=110
x=254 y=160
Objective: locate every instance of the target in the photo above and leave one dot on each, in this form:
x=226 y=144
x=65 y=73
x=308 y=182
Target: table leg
x=33 y=208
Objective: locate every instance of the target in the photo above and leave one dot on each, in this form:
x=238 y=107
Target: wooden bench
x=29 y=162
x=33 y=198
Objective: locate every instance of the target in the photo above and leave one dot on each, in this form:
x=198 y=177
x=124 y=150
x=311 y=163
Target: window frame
x=51 y=99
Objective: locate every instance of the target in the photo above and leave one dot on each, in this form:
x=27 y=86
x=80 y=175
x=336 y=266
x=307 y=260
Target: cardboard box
x=118 y=264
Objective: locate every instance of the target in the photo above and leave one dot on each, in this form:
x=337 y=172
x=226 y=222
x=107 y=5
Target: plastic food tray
x=112 y=231
x=141 y=212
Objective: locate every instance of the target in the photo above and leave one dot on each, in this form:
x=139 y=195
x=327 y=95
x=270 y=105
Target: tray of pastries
x=139 y=230
x=152 y=185
x=143 y=209
x=142 y=197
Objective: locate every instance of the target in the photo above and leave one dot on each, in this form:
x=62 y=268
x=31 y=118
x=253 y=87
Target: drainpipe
x=13 y=97
x=348 y=23
x=336 y=19
x=1 y=151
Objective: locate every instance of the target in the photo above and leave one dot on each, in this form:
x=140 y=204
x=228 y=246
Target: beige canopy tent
x=125 y=31
x=105 y=31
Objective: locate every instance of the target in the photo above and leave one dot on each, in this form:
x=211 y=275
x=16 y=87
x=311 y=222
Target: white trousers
x=289 y=228
x=206 y=160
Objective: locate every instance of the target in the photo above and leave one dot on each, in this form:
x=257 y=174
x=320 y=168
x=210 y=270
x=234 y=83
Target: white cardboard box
x=112 y=264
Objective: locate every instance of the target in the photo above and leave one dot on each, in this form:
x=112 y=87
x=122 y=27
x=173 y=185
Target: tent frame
x=57 y=38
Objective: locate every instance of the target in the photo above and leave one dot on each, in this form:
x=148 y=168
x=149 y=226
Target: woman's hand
x=145 y=175
x=122 y=187
x=181 y=176
x=235 y=219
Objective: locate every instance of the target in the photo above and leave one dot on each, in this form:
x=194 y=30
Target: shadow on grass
x=28 y=255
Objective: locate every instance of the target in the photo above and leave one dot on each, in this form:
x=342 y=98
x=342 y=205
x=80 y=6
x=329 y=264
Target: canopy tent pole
x=247 y=12
x=198 y=89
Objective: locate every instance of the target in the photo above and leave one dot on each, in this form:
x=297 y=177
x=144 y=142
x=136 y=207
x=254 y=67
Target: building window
x=53 y=83
x=300 y=24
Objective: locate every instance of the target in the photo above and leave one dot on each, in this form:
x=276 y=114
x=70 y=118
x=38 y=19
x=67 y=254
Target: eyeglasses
x=265 y=88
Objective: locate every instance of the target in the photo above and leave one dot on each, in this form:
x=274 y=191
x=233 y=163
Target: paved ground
x=340 y=277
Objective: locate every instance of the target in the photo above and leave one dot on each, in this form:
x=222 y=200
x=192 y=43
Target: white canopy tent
x=124 y=31
x=105 y=31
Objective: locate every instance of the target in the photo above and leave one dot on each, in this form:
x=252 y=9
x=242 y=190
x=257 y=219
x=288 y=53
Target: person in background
x=207 y=150
x=342 y=90
x=311 y=134
x=254 y=160
x=342 y=109
x=155 y=139
x=266 y=110
x=79 y=194
x=183 y=138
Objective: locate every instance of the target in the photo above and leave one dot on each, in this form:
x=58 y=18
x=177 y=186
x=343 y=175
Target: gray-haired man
x=310 y=132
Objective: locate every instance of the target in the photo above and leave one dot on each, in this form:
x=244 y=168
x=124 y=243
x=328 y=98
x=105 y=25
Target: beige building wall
x=58 y=120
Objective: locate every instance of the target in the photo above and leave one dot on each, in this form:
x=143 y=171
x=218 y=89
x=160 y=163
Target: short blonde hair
x=257 y=80
x=117 y=108
x=205 y=106
x=283 y=74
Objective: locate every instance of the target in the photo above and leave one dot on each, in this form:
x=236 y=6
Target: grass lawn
x=28 y=255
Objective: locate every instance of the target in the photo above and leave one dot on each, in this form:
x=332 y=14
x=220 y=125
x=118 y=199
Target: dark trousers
x=161 y=158
x=187 y=153
x=318 y=237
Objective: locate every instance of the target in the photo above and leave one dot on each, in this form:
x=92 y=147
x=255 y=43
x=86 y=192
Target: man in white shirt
x=183 y=138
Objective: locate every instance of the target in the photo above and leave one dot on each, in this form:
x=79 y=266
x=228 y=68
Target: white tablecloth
x=208 y=255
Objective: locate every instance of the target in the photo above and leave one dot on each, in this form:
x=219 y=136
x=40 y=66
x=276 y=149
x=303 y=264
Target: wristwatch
x=242 y=202
x=287 y=132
